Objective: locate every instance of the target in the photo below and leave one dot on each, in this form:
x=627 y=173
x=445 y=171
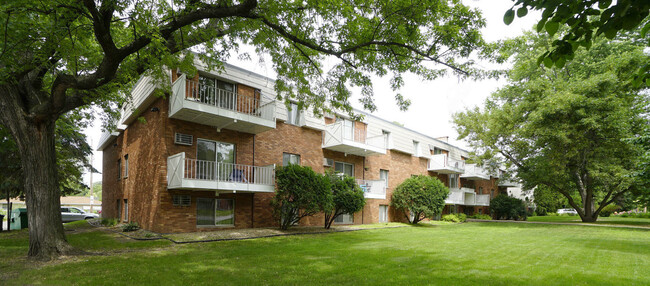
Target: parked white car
x=567 y=211
x=69 y=214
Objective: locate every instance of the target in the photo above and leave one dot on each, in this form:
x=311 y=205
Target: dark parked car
x=69 y=214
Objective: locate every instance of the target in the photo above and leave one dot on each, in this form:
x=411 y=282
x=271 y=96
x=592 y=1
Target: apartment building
x=203 y=157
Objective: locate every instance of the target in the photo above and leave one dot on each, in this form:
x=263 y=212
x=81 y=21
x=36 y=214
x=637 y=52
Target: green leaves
x=509 y=17
x=523 y=11
x=551 y=27
x=420 y=197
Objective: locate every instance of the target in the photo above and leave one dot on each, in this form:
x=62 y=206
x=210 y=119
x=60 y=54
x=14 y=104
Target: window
x=293 y=114
x=437 y=151
x=215 y=212
x=288 y=158
x=383 y=175
x=118 y=206
x=386 y=137
x=480 y=190
x=453 y=181
x=75 y=210
x=119 y=168
x=492 y=193
x=416 y=148
x=480 y=211
x=126 y=166
x=344 y=168
x=126 y=210
x=348 y=128
x=215 y=160
x=383 y=213
x=344 y=219
x=217 y=92
x=181 y=200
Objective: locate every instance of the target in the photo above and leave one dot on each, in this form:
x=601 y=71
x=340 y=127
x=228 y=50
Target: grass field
x=613 y=220
x=448 y=254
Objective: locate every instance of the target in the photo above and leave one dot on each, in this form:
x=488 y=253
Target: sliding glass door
x=215 y=160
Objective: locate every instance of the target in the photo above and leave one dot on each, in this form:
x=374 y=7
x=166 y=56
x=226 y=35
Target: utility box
x=18 y=219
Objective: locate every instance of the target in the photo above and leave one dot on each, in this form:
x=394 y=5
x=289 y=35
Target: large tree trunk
x=35 y=141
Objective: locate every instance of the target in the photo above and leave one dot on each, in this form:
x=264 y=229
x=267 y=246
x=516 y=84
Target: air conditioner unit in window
x=183 y=139
x=328 y=162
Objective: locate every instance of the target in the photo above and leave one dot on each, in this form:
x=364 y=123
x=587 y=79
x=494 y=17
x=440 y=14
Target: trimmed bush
x=109 y=222
x=609 y=210
x=461 y=217
x=481 y=216
x=420 y=197
x=506 y=207
x=300 y=192
x=347 y=197
x=131 y=226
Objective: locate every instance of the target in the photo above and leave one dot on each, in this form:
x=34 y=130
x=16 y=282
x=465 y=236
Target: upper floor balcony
x=474 y=172
x=207 y=104
x=441 y=163
x=192 y=174
x=351 y=140
x=508 y=183
x=373 y=189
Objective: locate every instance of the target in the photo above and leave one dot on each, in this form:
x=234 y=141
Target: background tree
x=564 y=128
x=347 y=197
x=420 y=197
x=299 y=192
x=583 y=21
x=548 y=200
x=63 y=55
x=507 y=207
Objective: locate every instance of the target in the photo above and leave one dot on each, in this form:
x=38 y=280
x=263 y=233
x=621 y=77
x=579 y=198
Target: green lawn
x=613 y=220
x=448 y=254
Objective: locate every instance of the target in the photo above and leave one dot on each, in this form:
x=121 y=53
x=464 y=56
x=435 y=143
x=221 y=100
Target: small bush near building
x=609 y=210
x=131 y=226
x=420 y=197
x=109 y=222
x=481 y=216
x=506 y=207
x=347 y=197
x=455 y=218
x=300 y=192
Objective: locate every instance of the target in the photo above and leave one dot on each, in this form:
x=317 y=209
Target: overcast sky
x=432 y=102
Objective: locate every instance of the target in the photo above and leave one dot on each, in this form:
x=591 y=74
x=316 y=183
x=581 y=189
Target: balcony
x=507 y=183
x=473 y=172
x=441 y=163
x=191 y=174
x=203 y=104
x=353 y=141
x=467 y=197
x=373 y=189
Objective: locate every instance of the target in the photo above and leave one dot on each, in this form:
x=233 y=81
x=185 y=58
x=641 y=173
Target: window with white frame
x=416 y=148
x=215 y=212
x=344 y=168
x=386 y=137
x=119 y=169
x=453 y=181
x=344 y=219
x=293 y=114
x=383 y=175
x=288 y=158
x=126 y=210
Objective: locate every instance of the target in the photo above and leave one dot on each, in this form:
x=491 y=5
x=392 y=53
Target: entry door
x=383 y=213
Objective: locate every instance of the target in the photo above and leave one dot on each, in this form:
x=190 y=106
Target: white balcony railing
x=456 y=197
x=474 y=172
x=352 y=140
x=373 y=189
x=441 y=163
x=482 y=200
x=229 y=100
x=189 y=173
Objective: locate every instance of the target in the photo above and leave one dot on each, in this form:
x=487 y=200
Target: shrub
x=481 y=216
x=461 y=217
x=420 y=197
x=609 y=210
x=506 y=207
x=300 y=192
x=109 y=222
x=347 y=197
x=552 y=214
x=131 y=226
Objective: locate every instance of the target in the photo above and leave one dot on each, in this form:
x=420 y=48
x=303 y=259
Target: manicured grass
x=613 y=220
x=450 y=254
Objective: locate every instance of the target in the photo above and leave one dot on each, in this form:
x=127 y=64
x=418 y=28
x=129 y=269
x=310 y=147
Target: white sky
x=432 y=102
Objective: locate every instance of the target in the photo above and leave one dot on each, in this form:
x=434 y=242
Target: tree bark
x=35 y=141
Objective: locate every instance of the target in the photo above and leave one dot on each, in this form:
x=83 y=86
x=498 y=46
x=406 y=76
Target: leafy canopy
x=564 y=127
x=420 y=197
